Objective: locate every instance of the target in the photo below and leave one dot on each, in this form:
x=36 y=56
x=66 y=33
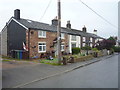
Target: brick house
x=41 y=38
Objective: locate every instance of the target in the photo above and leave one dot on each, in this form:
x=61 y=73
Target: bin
x=20 y=55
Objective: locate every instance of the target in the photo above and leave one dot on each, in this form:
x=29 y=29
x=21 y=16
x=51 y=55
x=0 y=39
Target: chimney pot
x=17 y=14
x=95 y=32
x=84 y=29
x=68 y=24
x=55 y=21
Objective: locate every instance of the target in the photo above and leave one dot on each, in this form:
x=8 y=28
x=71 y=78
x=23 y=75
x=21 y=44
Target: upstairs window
x=42 y=34
x=84 y=39
x=73 y=38
x=91 y=39
x=62 y=35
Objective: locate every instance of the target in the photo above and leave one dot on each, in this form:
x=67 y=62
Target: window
x=42 y=47
x=91 y=39
x=73 y=38
x=91 y=44
x=84 y=44
x=62 y=47
x=42 y=34
x=62 y=35
x=73 y=45
x=84 y=39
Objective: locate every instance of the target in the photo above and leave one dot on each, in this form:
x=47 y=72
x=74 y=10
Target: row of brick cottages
x=40 y=37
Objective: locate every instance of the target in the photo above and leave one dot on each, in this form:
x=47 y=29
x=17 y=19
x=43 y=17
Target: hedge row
x=116 y=49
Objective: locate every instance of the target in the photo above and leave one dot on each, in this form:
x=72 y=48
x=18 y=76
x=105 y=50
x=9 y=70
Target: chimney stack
x=95 y=32
x=17 y=14
x=68 y=25
x=84 y=29
x=55 y=21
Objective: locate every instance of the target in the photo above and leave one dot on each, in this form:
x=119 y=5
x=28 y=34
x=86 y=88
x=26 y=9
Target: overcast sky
x=72 y=10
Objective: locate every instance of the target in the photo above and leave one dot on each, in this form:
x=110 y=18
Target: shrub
x=116 y=49
x=86 y=48
x=94 y=49
x=75 y=50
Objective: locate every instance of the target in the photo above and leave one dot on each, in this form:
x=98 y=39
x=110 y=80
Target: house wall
x=0 y=43
x=77 y=42
x=16 y=36
x=4 y=41
x=33 y=39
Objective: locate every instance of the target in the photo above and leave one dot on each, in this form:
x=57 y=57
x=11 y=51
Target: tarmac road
x=103 y=74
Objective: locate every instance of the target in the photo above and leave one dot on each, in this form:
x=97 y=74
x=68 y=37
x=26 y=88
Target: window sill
x=41 y=37
x=41 y=51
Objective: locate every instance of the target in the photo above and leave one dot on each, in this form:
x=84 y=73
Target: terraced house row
x=39 y=38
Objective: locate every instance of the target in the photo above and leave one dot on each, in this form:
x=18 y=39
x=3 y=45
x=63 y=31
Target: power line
x=46 y=10
x=99 y=15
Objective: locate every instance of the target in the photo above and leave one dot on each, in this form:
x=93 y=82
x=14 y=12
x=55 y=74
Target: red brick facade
x=32 y=41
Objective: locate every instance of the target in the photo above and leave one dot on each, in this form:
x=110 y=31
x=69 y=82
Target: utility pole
x=59 y=32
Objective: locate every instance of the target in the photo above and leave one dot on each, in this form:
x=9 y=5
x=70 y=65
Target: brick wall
x=34 y=39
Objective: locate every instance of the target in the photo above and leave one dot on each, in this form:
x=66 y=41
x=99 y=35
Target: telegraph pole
x=59 y=33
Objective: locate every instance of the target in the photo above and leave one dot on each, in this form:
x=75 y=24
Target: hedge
x=75 y=50
x=86 y=48
x=116 y=49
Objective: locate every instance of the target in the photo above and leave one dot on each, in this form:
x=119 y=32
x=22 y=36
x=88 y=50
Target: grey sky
x=72 y=10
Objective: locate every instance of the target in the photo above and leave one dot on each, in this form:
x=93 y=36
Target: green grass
x=50 y=62
x=6 y=60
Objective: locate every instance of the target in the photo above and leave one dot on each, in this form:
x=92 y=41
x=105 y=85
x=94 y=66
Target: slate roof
x=52 y=28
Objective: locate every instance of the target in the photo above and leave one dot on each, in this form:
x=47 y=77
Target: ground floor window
x=62 y=47
x=91 y=44
x=84 y=44
x=73 y=45
x=41 y=47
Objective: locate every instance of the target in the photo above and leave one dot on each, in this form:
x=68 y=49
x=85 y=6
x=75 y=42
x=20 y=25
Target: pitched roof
x=47 y=27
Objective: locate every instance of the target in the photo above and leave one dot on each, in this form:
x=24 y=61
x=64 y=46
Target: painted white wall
x=78 y=42
x=70 y=43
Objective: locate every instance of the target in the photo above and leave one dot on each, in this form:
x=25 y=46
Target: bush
x=75 y=50
x=94 y=49
x=116 y=49
x=86 y=48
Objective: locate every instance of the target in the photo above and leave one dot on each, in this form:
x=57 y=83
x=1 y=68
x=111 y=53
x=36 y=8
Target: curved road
x=103 y=74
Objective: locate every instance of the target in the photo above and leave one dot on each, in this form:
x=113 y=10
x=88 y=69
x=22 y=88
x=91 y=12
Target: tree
x=106 y=43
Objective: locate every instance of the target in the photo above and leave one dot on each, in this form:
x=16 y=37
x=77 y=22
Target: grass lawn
x=51 y=62
x=44 y=61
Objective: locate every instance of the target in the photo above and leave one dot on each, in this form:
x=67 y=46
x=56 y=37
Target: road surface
x=103 y=74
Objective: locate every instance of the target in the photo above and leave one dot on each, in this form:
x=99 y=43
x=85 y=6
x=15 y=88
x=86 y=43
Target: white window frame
x=91 y=39
x=74 y=43
x=62 y=46
x=84 y=39
x=42 y=36
x=42 y=47
x=91 y=44
x=73 y=39
x=62 y=36
x=84 y=44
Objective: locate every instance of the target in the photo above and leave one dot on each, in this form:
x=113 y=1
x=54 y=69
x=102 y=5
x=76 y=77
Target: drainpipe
x=28 y=43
